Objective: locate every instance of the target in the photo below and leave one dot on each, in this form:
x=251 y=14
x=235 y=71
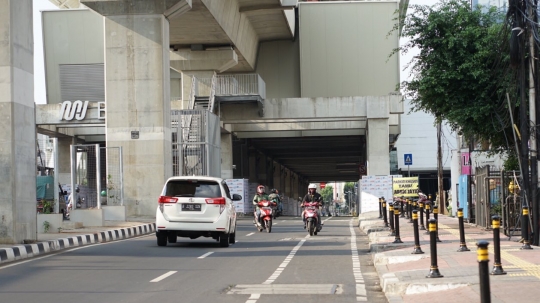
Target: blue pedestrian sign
x=408 y=159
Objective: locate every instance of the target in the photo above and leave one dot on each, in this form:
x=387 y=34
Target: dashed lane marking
x=205 y=255
x=361 y=293
x=170 y=273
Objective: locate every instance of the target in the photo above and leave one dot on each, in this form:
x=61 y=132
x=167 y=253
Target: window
x=193 y=188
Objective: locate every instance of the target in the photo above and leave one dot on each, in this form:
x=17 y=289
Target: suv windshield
x=193 y=188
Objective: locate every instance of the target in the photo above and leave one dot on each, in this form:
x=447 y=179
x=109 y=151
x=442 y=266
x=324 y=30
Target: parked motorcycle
x=265 y=219
x=312 y=218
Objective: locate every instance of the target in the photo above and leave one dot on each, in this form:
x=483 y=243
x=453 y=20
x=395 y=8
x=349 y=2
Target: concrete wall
x=419 y=137
x=344 y=49
x=70 y=37
x=278 y=64
x=17 y=123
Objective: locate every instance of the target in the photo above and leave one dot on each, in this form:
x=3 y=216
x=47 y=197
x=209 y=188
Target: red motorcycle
x=265 y=219
x=311 y=217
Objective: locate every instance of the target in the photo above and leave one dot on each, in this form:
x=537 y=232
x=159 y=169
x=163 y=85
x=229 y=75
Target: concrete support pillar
x=288 y=188
x=253 y=167
x=378 y=154
x=64 y=160
x=17 y=120
x=226 y=156
x=277 y=177
x=138 y=105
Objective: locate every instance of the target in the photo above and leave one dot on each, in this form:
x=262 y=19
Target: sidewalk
x=403 y=274
x=70 y=238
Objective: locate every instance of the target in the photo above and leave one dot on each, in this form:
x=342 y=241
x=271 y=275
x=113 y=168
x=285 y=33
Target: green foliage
x=327 y=193
x=511 y=163
x=46 y=226
x=461 y=74
x=348 y=188
x=48 y=206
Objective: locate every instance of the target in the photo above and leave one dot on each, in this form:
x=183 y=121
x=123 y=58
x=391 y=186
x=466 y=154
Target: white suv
x=195 y=206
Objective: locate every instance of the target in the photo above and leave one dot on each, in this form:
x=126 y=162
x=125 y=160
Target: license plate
x=191 y=207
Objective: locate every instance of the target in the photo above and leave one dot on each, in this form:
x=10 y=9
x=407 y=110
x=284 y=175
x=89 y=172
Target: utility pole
x=532 y=118
x=439 y=167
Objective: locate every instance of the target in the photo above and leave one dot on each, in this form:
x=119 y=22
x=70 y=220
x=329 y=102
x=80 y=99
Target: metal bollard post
x=462 y=244
x=391 y=218
x=417 y=249
x=422 y=227
x=380 y=208
x=397 y=239
x=434 y=269
x=402 y=200
x=485 y=293
x=497 y=266
x=407 y=208
x=411 y=208
x=385 y=217
x=427 y=214
x=436 y=217
x=525 y=228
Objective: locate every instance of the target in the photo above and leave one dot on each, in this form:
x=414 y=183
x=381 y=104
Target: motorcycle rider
x=312 y=196
x=274 y=197
x=259 y=196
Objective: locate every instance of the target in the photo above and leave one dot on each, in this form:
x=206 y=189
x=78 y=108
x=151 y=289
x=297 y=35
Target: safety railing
x=240 y=85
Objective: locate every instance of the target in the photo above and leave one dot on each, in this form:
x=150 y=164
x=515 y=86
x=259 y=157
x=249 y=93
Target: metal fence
x=488 y=195
x=240 y=84
x=113 y=185
x=85 y=173
x=195 y=143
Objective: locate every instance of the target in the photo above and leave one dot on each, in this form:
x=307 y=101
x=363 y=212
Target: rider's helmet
x=260 y=189
x=274 y=191
x=312 y=188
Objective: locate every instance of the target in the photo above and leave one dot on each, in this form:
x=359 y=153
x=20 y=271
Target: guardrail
x=240 y=85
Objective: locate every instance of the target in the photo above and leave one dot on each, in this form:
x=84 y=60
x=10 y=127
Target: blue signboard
x=408 y=159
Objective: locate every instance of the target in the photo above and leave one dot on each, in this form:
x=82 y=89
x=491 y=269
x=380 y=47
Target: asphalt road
x=285 y=265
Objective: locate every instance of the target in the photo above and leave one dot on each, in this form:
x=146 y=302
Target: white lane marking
x=250 y=234
x=275 y=224
x=205 y=255
x=361 y=294
x=253 y=298
x=65 y=251
x=282 y=220
x=285 y=262
x=170 y=273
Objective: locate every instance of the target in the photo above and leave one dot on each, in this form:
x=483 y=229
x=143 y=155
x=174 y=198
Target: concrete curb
x=24 y=251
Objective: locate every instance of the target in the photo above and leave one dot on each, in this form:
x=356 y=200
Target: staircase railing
x=211 y=99
x=191 y=106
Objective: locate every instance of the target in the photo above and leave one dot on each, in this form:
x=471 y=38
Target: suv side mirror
x=236 y=197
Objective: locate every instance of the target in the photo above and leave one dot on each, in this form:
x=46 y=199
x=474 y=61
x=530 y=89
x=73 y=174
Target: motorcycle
x=312 y=218
x=265 y=219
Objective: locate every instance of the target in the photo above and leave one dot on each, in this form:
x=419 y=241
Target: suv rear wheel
x=161 y=239
x=232 y=237
x=224 y=240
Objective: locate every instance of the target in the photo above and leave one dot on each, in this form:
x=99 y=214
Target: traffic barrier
x=427 y=204
x=483 y=260
x=462 y=244
x=380 y=208
x=385 y=217
x=402 y=201
x=417 y=248
x=436 y=217
x=497 y=266
x=410 y=210
x=421 y=206
x=397 y=239
x=391 y=217
x=434 y=269
x=525 y=228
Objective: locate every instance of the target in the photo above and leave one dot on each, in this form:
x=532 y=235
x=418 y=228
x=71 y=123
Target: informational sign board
x=371 y=189
x=405 y=187
x=240 y=187
x=407 y=158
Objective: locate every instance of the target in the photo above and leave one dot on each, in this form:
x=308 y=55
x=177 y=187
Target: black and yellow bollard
x=497 y=266
x=411 y=208
x=417 y=248
x=380 y=207
x=427 y=209
x=462 y=244
x=434 y=269
x=436 y=217
x=397 y=239
x=385 y=217
x=525 y=228
x=402 y=200
x=483 y=260
x=421 y=208
x=407 y=208
x=391 y=219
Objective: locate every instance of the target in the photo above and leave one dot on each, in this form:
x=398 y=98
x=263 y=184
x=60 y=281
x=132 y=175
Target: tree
x=348 y=190
x=462 y=73
x=327 y=193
